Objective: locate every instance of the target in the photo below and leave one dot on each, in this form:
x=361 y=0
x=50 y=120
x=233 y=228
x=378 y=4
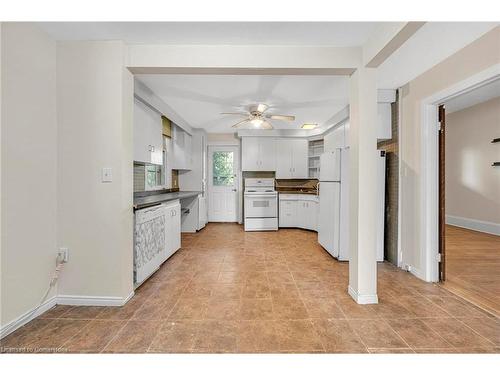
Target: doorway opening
x=469 y=196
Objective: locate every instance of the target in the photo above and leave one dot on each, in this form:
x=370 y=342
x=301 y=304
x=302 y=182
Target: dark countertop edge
x=153 y=200
x=298 y=192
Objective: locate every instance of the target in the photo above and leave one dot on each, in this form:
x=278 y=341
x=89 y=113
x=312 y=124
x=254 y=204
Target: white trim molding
x=62 y=300
x=93 y=300
x=473 y=224
x=429 y=199
x=362 y=299
x=27 y=317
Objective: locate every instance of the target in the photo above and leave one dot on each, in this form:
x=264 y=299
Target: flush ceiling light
x=308 y=126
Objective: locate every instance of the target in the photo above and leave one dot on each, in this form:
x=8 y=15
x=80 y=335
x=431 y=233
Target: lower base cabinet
x=298 y=211
x=173 y=228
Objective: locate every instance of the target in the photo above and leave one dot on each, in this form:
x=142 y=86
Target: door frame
x=429 y=149
x=442 y=194
x=237 y=171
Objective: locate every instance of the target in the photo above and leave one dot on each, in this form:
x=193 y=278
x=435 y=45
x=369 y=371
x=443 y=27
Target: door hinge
x=438 y=257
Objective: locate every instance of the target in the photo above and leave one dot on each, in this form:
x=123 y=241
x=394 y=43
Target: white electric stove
x=260 y=204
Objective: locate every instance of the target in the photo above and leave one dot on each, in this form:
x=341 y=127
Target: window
x=153 y=177
x=223 y=174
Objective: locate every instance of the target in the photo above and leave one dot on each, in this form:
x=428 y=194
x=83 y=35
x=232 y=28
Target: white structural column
x=363 y=175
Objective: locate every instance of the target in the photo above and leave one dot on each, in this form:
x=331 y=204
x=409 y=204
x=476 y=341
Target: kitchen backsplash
x=139 y=177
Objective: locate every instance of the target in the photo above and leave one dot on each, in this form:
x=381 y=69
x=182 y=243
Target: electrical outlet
x=63 y=254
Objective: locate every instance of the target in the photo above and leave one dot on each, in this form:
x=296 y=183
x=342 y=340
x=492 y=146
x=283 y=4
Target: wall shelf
x=316 y=148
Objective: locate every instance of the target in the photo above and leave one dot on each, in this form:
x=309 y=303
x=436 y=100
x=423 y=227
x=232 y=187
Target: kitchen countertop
x=155 y=199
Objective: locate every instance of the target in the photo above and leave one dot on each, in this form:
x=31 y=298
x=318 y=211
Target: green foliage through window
x=223 y=168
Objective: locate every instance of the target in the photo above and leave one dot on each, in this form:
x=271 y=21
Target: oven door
x=261 y=205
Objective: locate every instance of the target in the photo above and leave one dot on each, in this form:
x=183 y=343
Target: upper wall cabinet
x=384 y=121
x=292 y=158
x=181 y=155
x=148 y=138
x=258 y=154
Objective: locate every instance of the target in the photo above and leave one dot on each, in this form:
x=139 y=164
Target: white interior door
x=223 y=183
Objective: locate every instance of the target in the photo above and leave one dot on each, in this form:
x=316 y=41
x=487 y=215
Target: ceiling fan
x=257 y=117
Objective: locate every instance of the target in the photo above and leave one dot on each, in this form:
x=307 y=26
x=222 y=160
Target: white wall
x=478 y=56
x=28 y=167
x=222 y=139
x=472 y=184
x=95 y=219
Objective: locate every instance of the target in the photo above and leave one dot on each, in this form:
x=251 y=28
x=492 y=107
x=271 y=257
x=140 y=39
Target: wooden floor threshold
x=475 y=298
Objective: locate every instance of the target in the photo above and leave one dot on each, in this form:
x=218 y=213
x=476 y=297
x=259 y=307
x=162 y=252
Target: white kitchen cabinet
x=173 y=227
x=384 y=121
x=148 y=137
x=267 y=154
x=181 y=149
x=298 y=211
x=308 y=214
x=258 y=154
x=288 y=213
x=292 y=158
x=335 y=139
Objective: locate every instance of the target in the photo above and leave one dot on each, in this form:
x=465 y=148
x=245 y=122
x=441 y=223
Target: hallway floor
x=231 y=291
x=473 y=267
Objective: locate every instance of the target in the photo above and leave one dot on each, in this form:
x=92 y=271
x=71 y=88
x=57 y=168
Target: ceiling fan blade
x=261 y=107
x=266 y=125
x=281 y=117
x=235 y=113
x=239 y=123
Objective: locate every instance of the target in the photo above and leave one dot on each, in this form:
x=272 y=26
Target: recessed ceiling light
x=308 y=126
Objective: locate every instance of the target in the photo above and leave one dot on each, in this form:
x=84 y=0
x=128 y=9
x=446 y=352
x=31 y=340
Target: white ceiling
x=199 y=99
x=479 y=95
x=339 y=34
x=431 y=44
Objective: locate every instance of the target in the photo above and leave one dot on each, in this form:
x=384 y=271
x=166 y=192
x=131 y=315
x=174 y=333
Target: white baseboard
x=27 y=317
x=62 y=300
x=362 y=299
x=417 y=273
x=473 y=224
x=92 y=300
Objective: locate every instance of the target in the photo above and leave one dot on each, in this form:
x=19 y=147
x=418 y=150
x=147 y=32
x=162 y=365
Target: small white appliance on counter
x=333 y=226
x=260 y=204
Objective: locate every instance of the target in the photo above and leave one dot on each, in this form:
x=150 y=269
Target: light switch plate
x=107 y=175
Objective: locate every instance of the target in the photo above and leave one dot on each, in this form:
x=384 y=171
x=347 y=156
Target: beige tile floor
x=231 y=291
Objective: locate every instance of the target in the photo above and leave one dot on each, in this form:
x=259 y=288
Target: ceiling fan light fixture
x=257 y=122
x=309 y=126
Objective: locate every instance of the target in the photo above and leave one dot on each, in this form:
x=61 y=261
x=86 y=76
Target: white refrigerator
x=333 y=226
x=333 y=203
